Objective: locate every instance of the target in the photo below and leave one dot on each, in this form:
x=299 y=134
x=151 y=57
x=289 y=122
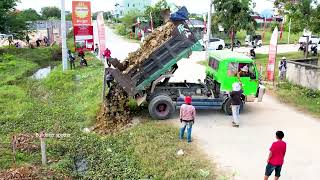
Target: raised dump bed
x=162 y=61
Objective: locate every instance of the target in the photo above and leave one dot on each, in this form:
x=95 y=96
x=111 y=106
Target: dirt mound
x=114 y=114
x=27 y=143
x=30 y=172
x=153 y=41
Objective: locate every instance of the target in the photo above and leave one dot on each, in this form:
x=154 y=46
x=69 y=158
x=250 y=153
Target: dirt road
x=244 y=151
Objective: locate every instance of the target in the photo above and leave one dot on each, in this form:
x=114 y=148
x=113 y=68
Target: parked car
x=216 y=44
x=254 y=40
x=312 y=39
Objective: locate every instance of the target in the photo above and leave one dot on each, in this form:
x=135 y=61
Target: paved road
x=119 y=46
x=244 y=150
x=282 y=48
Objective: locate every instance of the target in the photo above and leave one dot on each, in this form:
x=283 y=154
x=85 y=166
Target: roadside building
x=131 y=5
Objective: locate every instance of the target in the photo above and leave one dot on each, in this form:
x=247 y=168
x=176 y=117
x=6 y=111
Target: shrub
x=121 y=29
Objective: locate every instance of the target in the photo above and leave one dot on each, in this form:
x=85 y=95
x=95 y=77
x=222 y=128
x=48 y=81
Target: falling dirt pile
x=30 y=172
x=114 y=114
x=153 y=41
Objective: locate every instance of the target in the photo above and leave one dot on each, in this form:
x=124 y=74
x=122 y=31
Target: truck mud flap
x=123 y=80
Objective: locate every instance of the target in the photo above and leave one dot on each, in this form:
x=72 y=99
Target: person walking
x=107 y=56
x=28 y=39
x=236 y=102
x=71 y=59
x=187 y=117
x=96 y=50
x=109 y=79
x=283 y=68
x=276 y=157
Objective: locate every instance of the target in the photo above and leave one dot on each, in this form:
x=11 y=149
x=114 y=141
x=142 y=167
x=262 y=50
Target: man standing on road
x=107 y=55
x=276 y=156
x=283 y=68
x=28 y=39
x=236 y=102
x=187 y=117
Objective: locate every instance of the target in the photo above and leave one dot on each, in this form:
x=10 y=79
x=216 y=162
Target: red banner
x=83 y=38
x=272 y=54
x=81 y=13
x=101 y=33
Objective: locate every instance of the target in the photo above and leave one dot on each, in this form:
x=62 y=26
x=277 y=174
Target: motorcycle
x=253 y=53
x=314 y=50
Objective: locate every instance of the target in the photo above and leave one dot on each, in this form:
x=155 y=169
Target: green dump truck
x=149 y=81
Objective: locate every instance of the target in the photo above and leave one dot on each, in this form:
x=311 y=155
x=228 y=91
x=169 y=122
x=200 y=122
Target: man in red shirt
x=107 y=55
x=276 y=156
x=187 y=116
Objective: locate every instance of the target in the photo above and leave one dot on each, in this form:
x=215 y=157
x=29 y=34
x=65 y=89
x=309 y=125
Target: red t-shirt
x=278 y=150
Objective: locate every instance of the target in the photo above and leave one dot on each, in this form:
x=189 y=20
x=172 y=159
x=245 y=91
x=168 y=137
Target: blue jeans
x=185 y=125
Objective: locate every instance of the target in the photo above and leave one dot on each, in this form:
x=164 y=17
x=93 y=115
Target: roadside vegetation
x=66 y=103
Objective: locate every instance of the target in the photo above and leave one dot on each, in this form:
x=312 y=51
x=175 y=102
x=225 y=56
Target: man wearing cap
x=187 y=117
x=283 y=68
x=236 y=103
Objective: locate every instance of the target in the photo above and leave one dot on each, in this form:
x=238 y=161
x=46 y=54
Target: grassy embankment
x=67 y=102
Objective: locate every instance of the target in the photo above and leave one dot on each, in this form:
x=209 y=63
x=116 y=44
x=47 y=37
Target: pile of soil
x=153 y=41
x=30 y=172
x=27 y=143
x=114 y=114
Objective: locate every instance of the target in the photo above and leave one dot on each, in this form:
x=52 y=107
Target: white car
x=216 y=44
x=312 y=39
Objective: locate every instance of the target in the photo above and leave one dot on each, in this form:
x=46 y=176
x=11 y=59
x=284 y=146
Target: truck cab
x=224 y=69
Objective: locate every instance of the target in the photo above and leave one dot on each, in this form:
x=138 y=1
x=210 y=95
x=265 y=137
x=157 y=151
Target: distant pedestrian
x=276 y=156
x=28 y=39
x=83 y=61
x=96 y=50
x=38 y=41
x=71 y=59
x=45 y=41
x=187 y=117
x=283 y=68
x=236 y=102
x=10 y=39
x=107 y=56
x=109 y=79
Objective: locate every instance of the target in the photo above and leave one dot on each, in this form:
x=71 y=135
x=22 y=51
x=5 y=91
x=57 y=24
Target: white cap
x=236 y=86
x=283 y=58
x=245 y=69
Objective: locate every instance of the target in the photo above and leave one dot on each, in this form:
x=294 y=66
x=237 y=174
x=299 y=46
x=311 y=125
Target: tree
x=29 y=15
x=156 y=12
x=6 y=7
x=51 y=13
x=303 y=15
x=234 y=15
x=130 y=18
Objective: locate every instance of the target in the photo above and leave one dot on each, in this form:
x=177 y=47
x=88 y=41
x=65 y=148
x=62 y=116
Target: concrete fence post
x=43 y=148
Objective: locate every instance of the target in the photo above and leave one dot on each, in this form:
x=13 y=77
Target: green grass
x=67 y=102
x=301 y=97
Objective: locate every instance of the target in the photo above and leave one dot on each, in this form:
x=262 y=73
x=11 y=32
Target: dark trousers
x=72 y=65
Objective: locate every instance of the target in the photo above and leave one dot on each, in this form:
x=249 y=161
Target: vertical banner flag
x=272 y=54
x=101 y=32
x=81 y=13
x=83 y=38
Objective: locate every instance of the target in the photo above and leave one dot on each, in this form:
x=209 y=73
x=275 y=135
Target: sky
x=194 y=6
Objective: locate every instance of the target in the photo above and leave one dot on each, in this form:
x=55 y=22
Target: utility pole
x=63 y=36
x=209 y=25
x=289 y=31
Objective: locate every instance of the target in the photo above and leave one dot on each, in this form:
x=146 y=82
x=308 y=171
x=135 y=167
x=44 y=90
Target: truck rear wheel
x=161 y=107
x=227 y=107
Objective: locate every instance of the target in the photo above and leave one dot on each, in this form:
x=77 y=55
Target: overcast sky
x=194 y=6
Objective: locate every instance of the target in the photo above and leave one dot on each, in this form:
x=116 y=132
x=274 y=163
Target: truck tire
x=227 y=107
x=161 y=107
